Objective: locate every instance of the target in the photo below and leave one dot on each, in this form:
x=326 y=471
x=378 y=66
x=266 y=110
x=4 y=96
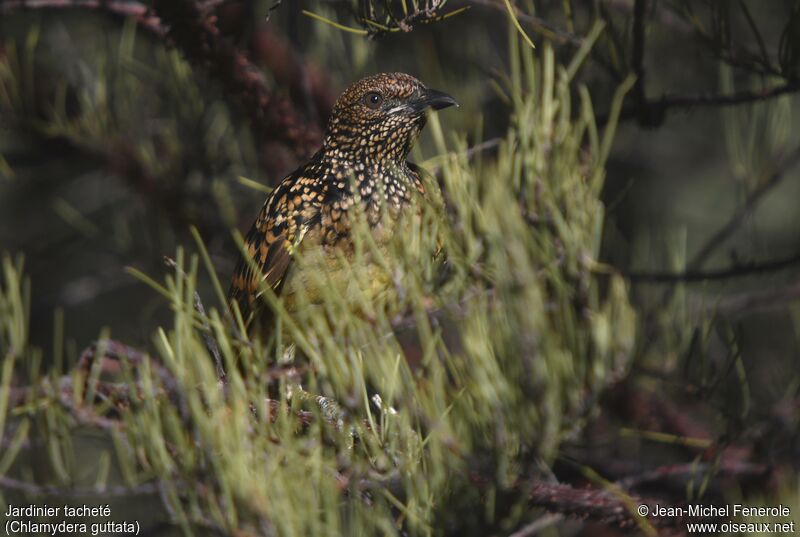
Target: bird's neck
x=388 y=170
x=385 y=148
x=390 y=163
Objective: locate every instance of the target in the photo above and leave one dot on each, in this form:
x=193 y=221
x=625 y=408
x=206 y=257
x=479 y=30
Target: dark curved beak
x=431 y=98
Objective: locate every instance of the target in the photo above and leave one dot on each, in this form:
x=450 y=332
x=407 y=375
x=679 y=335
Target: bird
x=362 y=164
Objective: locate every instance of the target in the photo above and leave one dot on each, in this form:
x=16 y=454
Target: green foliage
x=499 y=327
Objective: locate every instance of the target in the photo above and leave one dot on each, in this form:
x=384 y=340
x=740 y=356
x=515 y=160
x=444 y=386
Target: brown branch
x=604 y=506
x=738 y=271
x=485 y=146
x=657 y=109
x=678 y=20
x=307 y=81
x=747 y=208
x=652 y=112
x=741 y=57
x=612 y=506
x=747 y=303
x=199 y=39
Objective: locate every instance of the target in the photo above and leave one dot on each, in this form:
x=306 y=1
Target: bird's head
x=380 y=116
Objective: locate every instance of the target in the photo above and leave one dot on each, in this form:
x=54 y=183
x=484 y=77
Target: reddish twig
x=604 y=506
x=196 y=34
x=308 y=82
x=199 y=39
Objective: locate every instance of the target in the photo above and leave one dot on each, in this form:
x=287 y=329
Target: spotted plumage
x=371 y=130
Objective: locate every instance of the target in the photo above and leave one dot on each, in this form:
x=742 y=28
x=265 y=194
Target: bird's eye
x=373 y=100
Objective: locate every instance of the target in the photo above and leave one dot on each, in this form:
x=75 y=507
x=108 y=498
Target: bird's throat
x=383 y=147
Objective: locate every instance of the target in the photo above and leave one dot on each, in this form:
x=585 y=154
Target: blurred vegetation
x=613 y=304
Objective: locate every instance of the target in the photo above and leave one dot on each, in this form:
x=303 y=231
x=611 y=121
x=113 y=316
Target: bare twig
x=747 y=208
x=308 y=82
x=747 y=303
x=656 y=109
x=738 y=271
x=486 y=146
x=741 y=57
x=603 y=506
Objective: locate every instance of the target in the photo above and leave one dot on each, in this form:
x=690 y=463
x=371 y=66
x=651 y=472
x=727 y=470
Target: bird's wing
x=269 y=245
x=417 y=173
